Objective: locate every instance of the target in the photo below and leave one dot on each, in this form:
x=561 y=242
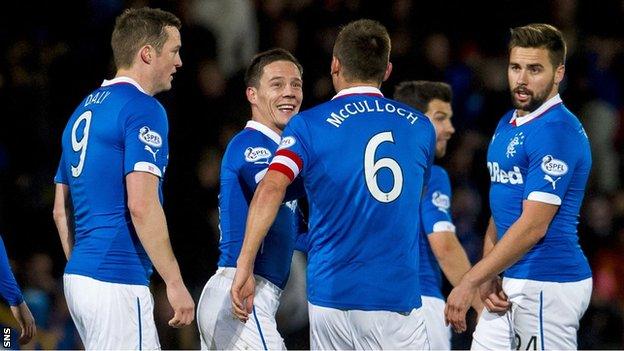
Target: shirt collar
x=264 y=130
x=518 y=121
x=123 y=80
x=366 y=90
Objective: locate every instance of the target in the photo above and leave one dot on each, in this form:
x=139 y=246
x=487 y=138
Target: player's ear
x=559 y=73
x=388 y=71
x=146 y=53
x=252 y=95
x=336 y=66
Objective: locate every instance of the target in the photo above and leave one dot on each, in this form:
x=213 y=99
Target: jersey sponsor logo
x=553 y=166
x=287 y=142
x=441 y=201
x=257 y=155
x=517 y=140
x=500 y=176
x=150 y=137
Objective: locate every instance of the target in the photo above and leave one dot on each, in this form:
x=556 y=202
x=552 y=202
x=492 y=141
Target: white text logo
x=500 y=176
x=441 y=201
x=149 y=137
x=553 y=166
x=257 y=155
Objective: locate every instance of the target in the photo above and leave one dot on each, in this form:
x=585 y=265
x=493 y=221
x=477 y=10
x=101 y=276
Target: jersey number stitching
x=371 y=167
x=80 y=145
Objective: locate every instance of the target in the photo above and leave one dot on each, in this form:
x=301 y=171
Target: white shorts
x=438 y=333
x=111 y=315
x=218 y=327
x=543 y=316
x=336 y=329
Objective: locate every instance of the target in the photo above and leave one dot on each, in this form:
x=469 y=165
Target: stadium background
x=51 y=56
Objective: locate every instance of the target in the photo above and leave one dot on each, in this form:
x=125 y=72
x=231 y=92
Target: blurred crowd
x=51 y=57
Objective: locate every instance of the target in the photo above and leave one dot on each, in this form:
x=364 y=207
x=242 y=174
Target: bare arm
x=490 y=237
x=452 y=259
x=150 y=224
x=262 y=212
x=63 y=213
x=518 y=240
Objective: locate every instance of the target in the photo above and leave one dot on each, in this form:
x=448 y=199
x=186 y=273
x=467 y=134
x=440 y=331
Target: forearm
x=151 y=228
x=490 y=238
x=262 y=212
x=452 y=258
x=66 y=233
x=516 y=242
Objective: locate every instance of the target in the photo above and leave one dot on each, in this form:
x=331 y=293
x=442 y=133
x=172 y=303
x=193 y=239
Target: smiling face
x=278 y=95
x=440 y=113
x=167 y=61
x=532 y=78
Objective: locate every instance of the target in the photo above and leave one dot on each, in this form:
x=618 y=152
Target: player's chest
x=507 y=159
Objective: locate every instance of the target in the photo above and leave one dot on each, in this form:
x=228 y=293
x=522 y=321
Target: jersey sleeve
x=435 y=206
x=9 y=289
x=553 y=154
x=293 y=154
x=146 y=147
x=430 y=152
x=61 y=174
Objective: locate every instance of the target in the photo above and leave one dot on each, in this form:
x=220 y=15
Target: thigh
x=219 y=328
x=329 y=329
x=493 y=332
x=438 y=333
x=111 y=316
x=548 y=317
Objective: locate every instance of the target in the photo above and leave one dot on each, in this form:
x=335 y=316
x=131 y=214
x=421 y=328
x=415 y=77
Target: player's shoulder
x=439 y=176
x=506 y=118
x=250 y=145
x=438 y=171
x=559 y=120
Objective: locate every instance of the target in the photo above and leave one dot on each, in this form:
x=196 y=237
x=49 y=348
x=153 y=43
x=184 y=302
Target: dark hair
x=363 y=48
x=419 y=93
x=256 y=67
x=540 y=35
x=135 y=28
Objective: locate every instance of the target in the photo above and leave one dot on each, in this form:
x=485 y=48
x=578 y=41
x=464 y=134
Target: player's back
x=96 y=158
x=364 y=160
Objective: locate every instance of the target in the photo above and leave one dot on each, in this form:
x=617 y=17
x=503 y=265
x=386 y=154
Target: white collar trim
x=531 y=116
x=264 y=130
x=122 y=79
x=358 y=90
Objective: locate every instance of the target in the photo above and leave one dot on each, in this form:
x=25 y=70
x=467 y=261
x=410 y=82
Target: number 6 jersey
x=117 y=129
x=363 y=160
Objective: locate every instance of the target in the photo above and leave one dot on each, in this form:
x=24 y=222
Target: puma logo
x=551 y=180
x=149 y=149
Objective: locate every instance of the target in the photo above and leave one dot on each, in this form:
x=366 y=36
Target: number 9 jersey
x=364 y=160
x=117 y=129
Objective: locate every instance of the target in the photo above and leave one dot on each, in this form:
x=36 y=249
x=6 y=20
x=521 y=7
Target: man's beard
x=535 y=100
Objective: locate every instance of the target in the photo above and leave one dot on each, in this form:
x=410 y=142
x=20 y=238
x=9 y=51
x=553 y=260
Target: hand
x=493 y=296
x=182 y=304
x=457 y=305
x=242 y=293
x=26 y=322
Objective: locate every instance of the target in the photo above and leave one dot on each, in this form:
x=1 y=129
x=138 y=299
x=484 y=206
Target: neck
x=341 y=84
x=138 y=77
x=257 y=117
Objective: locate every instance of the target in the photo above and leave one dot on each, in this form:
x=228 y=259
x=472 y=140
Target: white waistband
x=261 y=283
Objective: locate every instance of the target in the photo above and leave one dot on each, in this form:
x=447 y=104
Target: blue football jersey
x=364 y=159
x=543 y=156
x=9 y=289
x=435 y=214
x=245 y=162
x=117 y=129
